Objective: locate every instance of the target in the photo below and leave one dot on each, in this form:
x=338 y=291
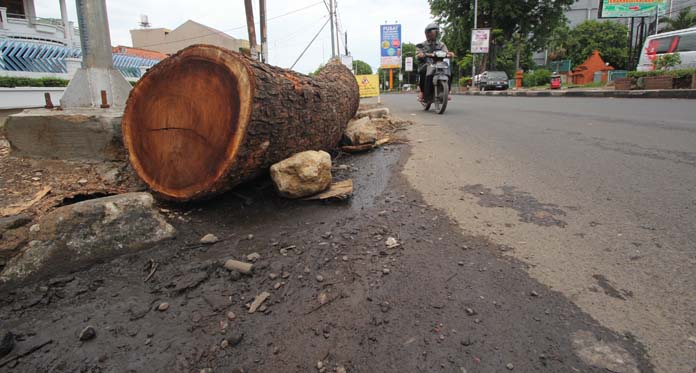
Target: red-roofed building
x=137 y=52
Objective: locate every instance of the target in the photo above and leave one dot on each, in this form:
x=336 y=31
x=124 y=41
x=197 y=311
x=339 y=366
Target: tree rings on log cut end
x=185 y=120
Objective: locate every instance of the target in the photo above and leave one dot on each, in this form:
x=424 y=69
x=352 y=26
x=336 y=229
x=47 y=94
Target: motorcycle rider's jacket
x=429 y=47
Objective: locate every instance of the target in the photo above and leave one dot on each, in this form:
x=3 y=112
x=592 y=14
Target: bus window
x=662 y=45
x=687 y=43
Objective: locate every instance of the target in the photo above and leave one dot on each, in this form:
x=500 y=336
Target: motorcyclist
x=430 y=45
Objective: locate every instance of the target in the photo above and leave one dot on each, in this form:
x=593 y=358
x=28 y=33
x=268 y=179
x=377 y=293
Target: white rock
x=391 y=243
x=209 y=239
x=302 y=175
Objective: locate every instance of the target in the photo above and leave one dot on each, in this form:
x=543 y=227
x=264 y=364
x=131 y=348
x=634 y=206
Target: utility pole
x=473 y=56
x=251 y=28
x=264 y=39
x=345 y=44
x=97 y=77
x=333 y=39
x=338 y=33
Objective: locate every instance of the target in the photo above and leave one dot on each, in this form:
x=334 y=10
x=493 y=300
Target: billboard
x=368 y=84
x=409 y=63
x=480 y=40
x=390 y=46
x=626 y=9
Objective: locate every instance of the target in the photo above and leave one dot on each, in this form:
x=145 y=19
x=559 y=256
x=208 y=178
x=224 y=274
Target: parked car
x=682 y=42
x=492 y=80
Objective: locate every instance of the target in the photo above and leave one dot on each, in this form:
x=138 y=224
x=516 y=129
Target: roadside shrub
x=11 y=82
x=666 y=61
x=53 y=82
x=682 y=77
x=465 y=81
x=536 y=78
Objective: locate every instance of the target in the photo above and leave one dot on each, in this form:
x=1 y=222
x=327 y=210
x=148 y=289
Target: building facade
x=190 y=32
x=19 y=22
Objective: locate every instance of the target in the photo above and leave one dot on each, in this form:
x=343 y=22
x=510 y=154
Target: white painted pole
x=473 y=56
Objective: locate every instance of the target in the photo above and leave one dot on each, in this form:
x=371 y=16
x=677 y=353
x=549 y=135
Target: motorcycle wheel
x=436 y=97
x=444 y=98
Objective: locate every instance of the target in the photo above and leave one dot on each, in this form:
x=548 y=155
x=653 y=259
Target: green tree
x=533 y=20
x=558 y=43
x=362 y=67
x=609 y=38
x=684 y=19
x=507 y=59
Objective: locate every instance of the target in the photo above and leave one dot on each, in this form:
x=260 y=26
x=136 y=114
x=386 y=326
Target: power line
x=292 y=35
x=223 y=32
x=310 y=43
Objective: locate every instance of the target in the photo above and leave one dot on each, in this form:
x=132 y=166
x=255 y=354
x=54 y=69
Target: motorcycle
x=437 y=70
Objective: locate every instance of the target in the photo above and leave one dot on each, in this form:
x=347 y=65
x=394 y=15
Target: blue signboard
x=390 y=46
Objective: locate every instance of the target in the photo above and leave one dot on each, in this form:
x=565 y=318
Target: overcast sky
x=287 y=35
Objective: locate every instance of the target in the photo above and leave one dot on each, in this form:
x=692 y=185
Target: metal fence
x=38 y=57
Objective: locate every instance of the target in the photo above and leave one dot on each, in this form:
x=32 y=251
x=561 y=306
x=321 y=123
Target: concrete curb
x=666 y=93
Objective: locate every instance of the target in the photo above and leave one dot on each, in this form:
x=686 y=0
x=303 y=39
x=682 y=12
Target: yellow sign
x=369 y=85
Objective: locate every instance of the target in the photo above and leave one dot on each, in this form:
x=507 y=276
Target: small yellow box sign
x=369 y=85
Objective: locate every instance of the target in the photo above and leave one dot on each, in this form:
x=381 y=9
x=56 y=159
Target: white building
x=19 y=21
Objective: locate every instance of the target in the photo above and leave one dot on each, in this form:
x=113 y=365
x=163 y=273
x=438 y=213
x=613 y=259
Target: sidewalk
x=666 y=93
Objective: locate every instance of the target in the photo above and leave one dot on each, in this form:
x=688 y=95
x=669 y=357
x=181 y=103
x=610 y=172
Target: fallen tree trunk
x=207 y=119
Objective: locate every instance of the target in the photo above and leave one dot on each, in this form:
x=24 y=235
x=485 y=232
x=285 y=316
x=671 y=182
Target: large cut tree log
x=207 y=119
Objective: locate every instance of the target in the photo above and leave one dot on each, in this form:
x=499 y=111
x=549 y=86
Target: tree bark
x=207 y=119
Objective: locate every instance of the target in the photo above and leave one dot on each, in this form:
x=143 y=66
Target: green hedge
x=682 y=77
x=679 y=74
x=536 y=78
x=11 y=82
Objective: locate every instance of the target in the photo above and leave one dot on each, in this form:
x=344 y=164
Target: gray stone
x=361 y=131
x=603 y=354
x=75 y=134
x=13 y=222
x=87 y=334
x=302 y=175
x=77 y=235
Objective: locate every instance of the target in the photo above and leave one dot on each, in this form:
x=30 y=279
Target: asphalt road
x=597 y=196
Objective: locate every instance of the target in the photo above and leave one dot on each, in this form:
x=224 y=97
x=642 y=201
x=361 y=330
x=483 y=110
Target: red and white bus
x=680 y=41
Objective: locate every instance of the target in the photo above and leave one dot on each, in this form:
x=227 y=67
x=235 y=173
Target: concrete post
x=97 y=73
x=67 y=30
x=94 y=34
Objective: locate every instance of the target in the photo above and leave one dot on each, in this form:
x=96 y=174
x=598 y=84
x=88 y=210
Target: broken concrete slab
x=361 y=131
x=74 y=134
x=302 y=175
x=74 y=236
